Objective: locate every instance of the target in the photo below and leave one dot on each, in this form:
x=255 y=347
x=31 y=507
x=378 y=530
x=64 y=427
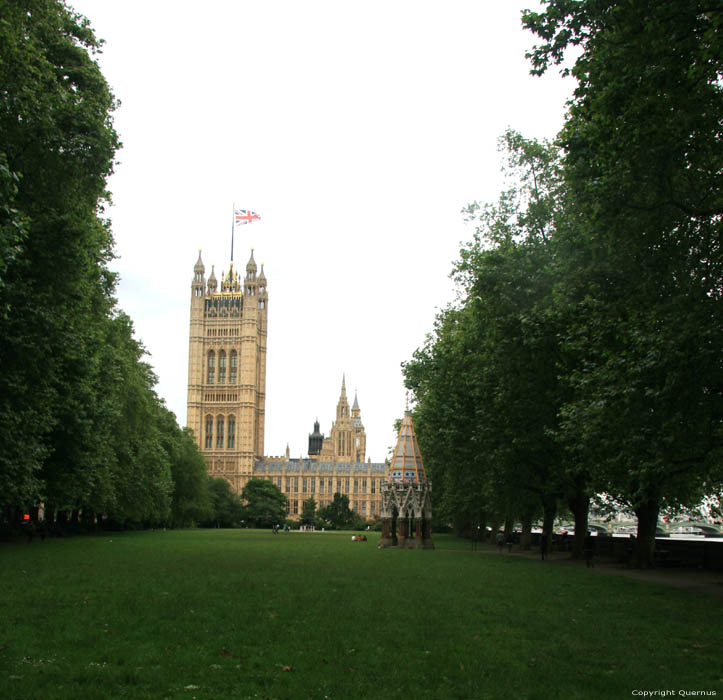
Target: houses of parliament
x=227 y=402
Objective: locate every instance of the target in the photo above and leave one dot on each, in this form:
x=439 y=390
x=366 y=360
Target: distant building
x=335 y=465
x=227 y=402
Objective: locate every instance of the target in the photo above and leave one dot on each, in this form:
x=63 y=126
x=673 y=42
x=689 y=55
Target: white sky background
x=358 y=131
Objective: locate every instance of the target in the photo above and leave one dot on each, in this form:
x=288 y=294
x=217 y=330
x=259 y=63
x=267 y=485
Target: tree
x=487 y=383
x=308 y=511
x=337 y=513
x=191 y=499
x=643 y=169
x=264 y=504
x=226 y=507
x=57 y=146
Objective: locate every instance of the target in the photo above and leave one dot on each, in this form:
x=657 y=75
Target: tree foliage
x=643 y=168
x=264 y=504
x=337 y=513
x=584 y=354
x=81 y=428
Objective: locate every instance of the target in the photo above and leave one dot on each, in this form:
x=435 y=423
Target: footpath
x=701 y=581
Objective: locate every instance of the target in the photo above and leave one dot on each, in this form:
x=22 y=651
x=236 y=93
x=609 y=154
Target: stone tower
x=406 y=507
x=227 y=370
x=347 y=441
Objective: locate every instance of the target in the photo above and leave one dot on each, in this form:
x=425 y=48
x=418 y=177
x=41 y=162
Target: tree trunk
x=495 y=529
x=549 y=511
x=644 y=551
x=580 y=507
x=509 y=524
x=526 y=538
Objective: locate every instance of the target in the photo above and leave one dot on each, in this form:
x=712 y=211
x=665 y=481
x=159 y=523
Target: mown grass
x=246 y=614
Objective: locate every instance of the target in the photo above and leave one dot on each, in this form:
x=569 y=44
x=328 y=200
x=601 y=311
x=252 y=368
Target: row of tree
x=584 y=355
x=81 y=427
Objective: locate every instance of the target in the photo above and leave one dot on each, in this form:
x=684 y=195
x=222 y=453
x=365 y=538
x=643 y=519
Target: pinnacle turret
x=212 y=281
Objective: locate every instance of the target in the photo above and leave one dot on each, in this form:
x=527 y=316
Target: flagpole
x=233 y=226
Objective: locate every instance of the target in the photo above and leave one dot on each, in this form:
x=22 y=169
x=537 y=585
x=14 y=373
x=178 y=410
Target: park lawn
x=212 y=614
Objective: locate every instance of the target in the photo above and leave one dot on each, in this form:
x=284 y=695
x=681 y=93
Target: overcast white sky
x=357 y=130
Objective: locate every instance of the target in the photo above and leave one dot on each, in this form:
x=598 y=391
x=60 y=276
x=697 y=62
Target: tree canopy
x=81 y=427
x=585 y=351
x=264 y=504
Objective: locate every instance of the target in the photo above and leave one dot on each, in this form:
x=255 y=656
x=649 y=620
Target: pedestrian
x=544 y=544
x=589 y=550
x=500 y=540
x=509 y=543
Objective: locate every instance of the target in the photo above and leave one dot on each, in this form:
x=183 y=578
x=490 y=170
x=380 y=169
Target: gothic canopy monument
x=407 y=495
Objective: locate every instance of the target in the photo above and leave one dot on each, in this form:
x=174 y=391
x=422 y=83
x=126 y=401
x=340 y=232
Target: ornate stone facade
x=337 y=467
x=227 y=370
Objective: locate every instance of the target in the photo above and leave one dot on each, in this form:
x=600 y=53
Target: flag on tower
x=244 y=216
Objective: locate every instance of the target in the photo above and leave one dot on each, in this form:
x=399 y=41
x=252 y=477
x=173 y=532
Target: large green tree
x=487 y=383
x=644 y=173
x=57 y=146
x=337 y=513
x=264 y=504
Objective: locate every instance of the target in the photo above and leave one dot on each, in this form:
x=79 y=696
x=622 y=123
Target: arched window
x=222 y=367
x=231 y=432
x=233 y=367
x=219 y=432
x=209 y=432
x=211 y=367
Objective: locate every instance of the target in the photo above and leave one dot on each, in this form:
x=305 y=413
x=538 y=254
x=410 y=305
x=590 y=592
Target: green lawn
x=246 y=614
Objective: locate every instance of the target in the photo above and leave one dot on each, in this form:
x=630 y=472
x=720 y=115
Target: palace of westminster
x=226 y=403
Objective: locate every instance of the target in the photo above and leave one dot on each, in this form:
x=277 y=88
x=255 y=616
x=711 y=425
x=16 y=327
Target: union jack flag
x=244 y=216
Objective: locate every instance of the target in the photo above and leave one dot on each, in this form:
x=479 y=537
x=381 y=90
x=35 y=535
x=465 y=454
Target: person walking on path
x=500 y=540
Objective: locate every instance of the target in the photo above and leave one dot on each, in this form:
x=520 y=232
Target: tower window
x=209 y=432
x=222 y=367
x=233 y=367
x=231 y=443
x=219 y=432
x=211 y=367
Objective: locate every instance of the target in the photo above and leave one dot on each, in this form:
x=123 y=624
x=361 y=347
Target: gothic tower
x=227 y=370
x=347 y=441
